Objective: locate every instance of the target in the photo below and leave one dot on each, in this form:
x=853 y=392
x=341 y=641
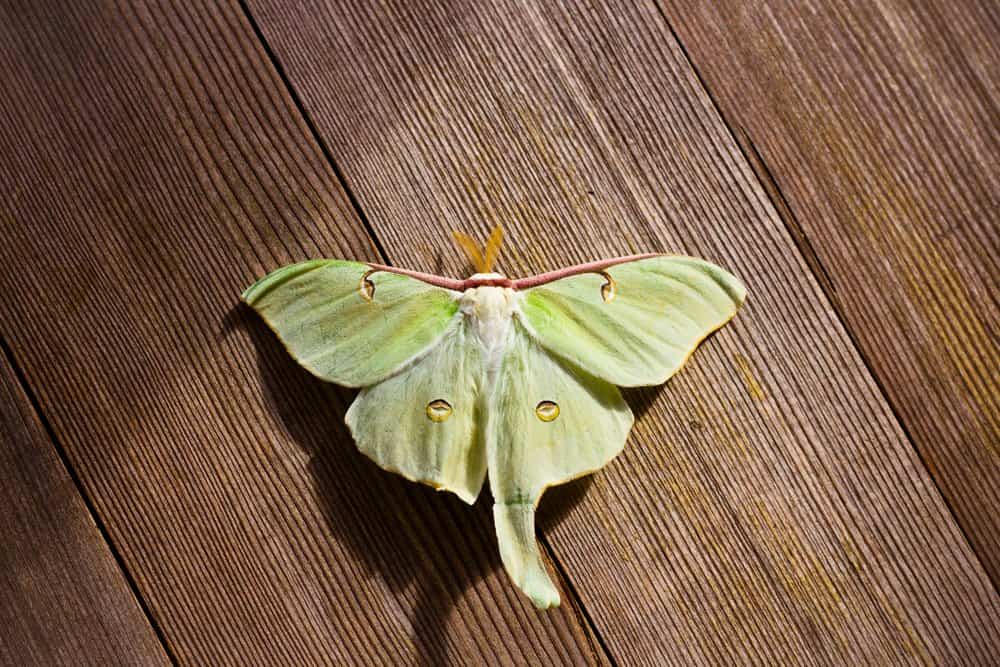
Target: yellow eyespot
x=366 y=288
x=609 y=289
x=438 y=410
x=547 y=411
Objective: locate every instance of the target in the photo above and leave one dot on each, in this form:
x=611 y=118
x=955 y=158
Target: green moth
x=517 y=378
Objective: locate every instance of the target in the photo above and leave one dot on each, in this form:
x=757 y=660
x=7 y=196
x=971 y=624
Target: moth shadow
x=641 y=399
x=423 y=548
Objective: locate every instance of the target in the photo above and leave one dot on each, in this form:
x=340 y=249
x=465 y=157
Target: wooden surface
x=778 y=500
x=63 y=598
x=878 y=123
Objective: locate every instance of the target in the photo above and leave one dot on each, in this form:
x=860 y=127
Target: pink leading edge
x=521 y=283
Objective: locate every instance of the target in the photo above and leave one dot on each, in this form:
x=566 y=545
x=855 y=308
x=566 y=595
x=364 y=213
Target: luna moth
x=512 y=378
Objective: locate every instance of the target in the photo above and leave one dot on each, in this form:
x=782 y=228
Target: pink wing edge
x=517 y=284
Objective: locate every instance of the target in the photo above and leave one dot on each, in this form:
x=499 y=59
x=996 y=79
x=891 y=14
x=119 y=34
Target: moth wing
x=422 y=421
x=322 y=312
x=548 y=423
x=640 y=329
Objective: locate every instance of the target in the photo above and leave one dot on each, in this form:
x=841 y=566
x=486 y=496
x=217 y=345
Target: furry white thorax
x=489 y=311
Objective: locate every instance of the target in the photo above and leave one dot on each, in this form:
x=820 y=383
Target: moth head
x=481 y=258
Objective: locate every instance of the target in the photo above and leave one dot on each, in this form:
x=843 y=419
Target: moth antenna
x=492 y=249
x=471 y=248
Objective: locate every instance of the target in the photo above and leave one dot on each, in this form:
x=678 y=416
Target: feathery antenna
x=482 y=259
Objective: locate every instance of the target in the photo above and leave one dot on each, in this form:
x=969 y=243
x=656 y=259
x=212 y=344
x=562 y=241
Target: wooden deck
x=819 y=486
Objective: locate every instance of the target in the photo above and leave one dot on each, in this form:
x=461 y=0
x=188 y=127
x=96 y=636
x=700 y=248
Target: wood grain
x=63 y=598
x=878 y=123
x=769 y=508
x=154 y=165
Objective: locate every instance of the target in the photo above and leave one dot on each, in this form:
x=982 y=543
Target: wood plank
x=878 y=123
x=63 y=598
x=155 y=164
x=769 y=508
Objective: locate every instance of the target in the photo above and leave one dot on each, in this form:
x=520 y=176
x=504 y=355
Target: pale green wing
x=349 y=329
x=639 y=327
x=422 y=421
x=548 y=423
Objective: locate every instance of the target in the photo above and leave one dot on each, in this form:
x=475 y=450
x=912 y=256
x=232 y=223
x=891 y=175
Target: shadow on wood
x=427 y=547
x=641 y=399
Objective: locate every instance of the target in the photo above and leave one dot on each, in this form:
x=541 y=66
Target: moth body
x=489 y=312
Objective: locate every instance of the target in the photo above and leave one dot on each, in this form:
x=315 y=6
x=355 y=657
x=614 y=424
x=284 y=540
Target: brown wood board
x=878 y=124
x=769 y=506
x=153 y=165
x=63 y=598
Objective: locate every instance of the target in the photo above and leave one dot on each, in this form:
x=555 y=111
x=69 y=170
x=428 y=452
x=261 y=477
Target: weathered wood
x=63 y=598
x=153 y=165
x=769 y=508
x=878 y=122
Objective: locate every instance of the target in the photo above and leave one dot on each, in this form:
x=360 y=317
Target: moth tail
x=515 y=526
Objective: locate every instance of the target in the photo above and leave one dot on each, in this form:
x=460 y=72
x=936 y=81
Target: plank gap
x=762 y=173
x=29 y=392
x=780 y=203
x=317 y=137
x=756 y=161
x=576 y=601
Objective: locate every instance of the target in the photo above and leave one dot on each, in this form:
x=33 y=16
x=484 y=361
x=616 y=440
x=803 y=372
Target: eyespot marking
x=438 y=410
x=366 y=288
x=609 y=289
x=547 y=410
